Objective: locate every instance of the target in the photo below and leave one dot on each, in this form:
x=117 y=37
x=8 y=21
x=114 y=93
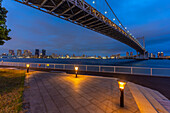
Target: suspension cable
x=115 y=15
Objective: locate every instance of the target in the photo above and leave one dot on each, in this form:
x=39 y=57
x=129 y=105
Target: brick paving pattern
x=63 y=93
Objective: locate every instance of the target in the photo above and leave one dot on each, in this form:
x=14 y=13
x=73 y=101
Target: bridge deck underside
x=77 y=12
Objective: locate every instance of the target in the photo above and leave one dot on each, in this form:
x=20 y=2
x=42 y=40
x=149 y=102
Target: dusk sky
x=33 y=29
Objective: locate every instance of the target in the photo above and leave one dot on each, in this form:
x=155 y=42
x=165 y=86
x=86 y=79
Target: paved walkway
x=63 y=93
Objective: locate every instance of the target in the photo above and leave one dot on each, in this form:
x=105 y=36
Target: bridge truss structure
x=81 y=13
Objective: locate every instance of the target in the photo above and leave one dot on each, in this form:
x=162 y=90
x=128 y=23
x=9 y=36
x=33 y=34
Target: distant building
x=131 y=54
x=4 y=54
x=43 y=53
x=26 y=53
x=19 y=52
x=11 y=53
x=53 y=55
x=162 y=54
x=83 y=55
x=103 y=57
x=127 y=54
x=67 y=56
x=113 y=56
x=151 y=55
x=74 y=55
x=37 y=53
x=99 y=57
x=29 y=53
x=118 y=56
x=61 y=56
x=159 y=54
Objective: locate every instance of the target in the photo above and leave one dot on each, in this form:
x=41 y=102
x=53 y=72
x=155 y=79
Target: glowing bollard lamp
x=121 y=87
x=28 y=67
x=76 y=70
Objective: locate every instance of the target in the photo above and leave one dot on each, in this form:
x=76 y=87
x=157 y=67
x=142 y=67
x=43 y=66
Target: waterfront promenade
x=49 y=92
x=63 y=93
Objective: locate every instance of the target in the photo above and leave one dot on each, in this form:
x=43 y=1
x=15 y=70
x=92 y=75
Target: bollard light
x=28 y=66
x=121 y=87
x=48 y=64
x=76 y=70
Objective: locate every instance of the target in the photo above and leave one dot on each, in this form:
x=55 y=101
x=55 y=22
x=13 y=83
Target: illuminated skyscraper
x=25 y=53
x=19 y=52
x=127 y=54
x=159 y=54
x=43 y=53
x=67 y=56
x=29 y=53
x=131 y=54
x=74 y=55
x=11 y=53
x=53 y=55
x=162 y=54
x=37 y=53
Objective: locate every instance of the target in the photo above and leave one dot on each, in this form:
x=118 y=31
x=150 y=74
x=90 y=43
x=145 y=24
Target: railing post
x=54 y=66
x=86 y=67
x=114 y=69
x=151 y=71
x=131 y=70
x=99 y=68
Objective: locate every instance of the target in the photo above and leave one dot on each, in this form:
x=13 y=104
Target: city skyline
x=26 y=31
x=41 y=53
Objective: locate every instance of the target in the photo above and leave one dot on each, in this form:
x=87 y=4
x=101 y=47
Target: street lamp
x=76 y=69
x=28 y=67
x=121 y=87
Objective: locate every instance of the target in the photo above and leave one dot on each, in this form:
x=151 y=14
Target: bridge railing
x=95 y=68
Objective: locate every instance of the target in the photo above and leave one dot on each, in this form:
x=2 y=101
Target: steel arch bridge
x=81 y=13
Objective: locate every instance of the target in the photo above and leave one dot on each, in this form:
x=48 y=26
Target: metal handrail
x=85 y=65
x=99 y=68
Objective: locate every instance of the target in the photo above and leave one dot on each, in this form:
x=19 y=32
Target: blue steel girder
x=81 y=13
